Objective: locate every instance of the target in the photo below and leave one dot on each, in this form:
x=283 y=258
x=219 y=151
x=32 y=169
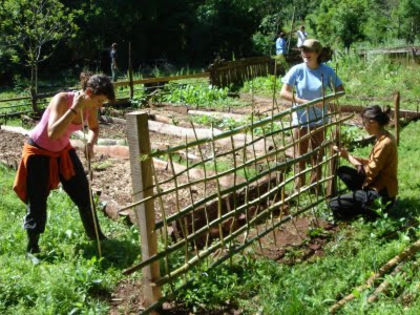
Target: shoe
x=102 y=236
x=32 y=247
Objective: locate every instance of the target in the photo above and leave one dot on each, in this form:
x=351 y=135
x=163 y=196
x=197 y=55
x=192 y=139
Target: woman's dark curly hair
x=100 y=84
x=376 y=113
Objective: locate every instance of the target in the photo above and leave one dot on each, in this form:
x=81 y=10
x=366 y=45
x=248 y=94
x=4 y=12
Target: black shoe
x=33 y=247
x=102 y=236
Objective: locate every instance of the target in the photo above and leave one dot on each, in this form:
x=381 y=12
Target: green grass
x=263 y=85
x=379 y=76
x=69 y=278
x=198 y=94
x=376 y=77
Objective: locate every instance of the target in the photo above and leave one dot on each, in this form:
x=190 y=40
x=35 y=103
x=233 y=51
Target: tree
x=408 y=17
x=33 y=28
x=340 y=21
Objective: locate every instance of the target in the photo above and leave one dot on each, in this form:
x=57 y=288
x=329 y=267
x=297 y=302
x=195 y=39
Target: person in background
x=372 y=178
x=48 y=157
x=309 y=78
x=281 y=44
x=114 y=65
x=301 y=36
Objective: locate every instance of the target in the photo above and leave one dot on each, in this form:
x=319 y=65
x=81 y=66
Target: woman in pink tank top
x=48 y=157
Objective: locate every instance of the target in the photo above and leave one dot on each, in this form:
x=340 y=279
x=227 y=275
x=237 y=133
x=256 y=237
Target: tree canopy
x=191 y=32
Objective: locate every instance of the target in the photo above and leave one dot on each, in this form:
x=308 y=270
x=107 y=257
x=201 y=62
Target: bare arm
x=354 y=160
x=61 y=116
x=286 y=93
x=93 y=135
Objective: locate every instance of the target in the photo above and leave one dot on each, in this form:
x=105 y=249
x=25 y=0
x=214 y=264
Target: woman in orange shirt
x=371 y=178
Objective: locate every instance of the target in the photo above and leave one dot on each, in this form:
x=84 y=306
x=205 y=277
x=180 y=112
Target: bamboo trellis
x=208 y=220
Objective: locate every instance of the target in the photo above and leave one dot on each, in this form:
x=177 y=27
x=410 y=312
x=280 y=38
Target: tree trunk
x=34 y=86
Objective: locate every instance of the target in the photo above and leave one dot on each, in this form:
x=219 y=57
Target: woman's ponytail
x=378 y=114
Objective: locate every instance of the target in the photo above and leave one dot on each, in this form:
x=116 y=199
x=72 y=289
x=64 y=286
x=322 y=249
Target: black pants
x=358 y=201
x=76 y=187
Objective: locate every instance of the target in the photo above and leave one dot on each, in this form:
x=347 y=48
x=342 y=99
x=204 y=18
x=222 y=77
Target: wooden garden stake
x=130 y=71
x=397 y=116
x=142 y=181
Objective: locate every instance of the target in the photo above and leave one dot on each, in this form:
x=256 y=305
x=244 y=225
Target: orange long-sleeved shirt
x=381 y=169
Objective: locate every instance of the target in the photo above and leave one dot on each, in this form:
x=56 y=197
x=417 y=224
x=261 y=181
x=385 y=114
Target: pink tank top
x=40 y=133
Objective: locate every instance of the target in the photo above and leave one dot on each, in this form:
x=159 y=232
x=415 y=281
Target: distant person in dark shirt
x=114 y=65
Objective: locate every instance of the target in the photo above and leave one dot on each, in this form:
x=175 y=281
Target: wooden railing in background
x=224 y=73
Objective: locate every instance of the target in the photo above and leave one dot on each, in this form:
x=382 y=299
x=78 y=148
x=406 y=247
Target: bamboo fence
x=200 y=223
x=224 y=73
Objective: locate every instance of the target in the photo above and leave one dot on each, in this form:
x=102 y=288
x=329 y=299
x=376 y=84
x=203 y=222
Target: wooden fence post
x=130 y=71
x=397 y=116
x=142 y=181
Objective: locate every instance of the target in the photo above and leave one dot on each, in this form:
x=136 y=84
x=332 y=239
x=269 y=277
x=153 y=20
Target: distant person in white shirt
x=281 y=44
x=301 y=35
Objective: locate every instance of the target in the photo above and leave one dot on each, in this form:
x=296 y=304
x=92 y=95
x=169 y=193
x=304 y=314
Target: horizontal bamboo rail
x=227 y=215
x=249 y=126
x=163 y=79
x=241 y=147
x=234 y=251
x=14 y=114
x=38 y=96
x=184 y=268
x=279 y=167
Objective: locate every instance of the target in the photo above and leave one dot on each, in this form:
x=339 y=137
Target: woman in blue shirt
x=308 y=79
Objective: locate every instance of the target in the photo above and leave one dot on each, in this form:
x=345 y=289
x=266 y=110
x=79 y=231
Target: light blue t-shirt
x=307 y=83
x=280 y=46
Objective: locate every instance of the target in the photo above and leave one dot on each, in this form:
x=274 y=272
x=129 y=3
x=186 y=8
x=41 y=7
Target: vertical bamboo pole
x=142 y=181
x=291 y=30
x=397 y=116
x=130 y=71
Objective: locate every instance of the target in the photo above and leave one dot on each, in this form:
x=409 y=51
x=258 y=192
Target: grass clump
x=197 y=94
x=70 y=278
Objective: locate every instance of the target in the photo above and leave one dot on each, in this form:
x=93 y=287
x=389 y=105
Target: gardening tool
x=89 y=179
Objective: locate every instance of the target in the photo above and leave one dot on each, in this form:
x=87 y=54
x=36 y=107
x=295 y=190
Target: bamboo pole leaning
x=384 y=285
x=247 y=127
x=229 y=255
x=240 y=148
x=404 y=255
x=224 y=173
x=226 y=216
x=278 y=167
x=184 y=268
